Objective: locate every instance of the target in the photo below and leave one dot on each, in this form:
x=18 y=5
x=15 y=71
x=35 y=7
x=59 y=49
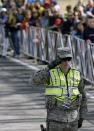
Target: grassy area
x=64 y=3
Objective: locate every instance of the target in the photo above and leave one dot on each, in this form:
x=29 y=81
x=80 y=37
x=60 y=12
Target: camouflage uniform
x=60 y=118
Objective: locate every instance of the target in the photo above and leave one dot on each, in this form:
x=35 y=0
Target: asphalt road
x=23 y=108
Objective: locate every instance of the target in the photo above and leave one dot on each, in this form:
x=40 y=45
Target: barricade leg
x=5 y=46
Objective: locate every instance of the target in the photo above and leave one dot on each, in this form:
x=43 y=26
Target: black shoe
x=2 y=56
x=80 y=121
x=42 y=128
x=79 y=125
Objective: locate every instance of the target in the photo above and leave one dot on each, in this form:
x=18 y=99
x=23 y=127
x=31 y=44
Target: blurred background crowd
x=18 y=14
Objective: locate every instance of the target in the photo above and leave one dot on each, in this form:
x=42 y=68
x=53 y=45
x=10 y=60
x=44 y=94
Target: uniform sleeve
x=83 y=106
x=42 y=77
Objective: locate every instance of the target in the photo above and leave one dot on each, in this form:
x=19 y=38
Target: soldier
x=65 y=95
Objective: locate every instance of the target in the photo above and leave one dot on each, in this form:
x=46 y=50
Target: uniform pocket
x=50 y=102
x=73 y=115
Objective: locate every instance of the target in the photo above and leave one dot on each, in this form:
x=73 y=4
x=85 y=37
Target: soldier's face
x=65 y=64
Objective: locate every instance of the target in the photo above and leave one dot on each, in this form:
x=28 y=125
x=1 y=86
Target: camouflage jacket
x=55 y=111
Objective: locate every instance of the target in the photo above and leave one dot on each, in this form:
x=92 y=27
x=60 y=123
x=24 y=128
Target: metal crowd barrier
x=2 y=34
x=42 y=44
x=83 y=58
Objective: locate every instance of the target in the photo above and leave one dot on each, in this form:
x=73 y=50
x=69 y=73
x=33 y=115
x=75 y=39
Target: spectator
x=90 y=5
x=76 y=17
x=78 y=33
x=13 y=26
x=44 y=22
x=57 y=25
x=51 y=8
x=4 y=14
x=6 y=4
x=38 y=40
x=20 y=16
x=80 y=3
x=56 y=14
x=68 y=10
x=68 y=25
x=39 y=8
x=89 y=30
x=81 y=12
x=47 y=3
x=1 y=4
x=20 y=3
x=85 y=19
x=27 y=19
x=12 y=4
x=35 y=17
x=54 y=1
x=31 y=6
x=6 y=27
x=56 y=7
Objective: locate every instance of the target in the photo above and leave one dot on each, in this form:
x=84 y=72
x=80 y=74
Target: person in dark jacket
x=68 y=25
x=14 y=31
x=89 y=30
x=78 y=33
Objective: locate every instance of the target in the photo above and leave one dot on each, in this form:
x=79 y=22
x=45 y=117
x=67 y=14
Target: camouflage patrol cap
x=64 y=53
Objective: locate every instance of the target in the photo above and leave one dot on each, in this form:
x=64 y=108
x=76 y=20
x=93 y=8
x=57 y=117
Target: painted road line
x=23 y=63
x=90 y=96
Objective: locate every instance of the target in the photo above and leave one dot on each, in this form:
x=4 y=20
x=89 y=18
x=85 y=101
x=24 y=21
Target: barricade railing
x=42 y=44
x=2 y=34
x=83 y=58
